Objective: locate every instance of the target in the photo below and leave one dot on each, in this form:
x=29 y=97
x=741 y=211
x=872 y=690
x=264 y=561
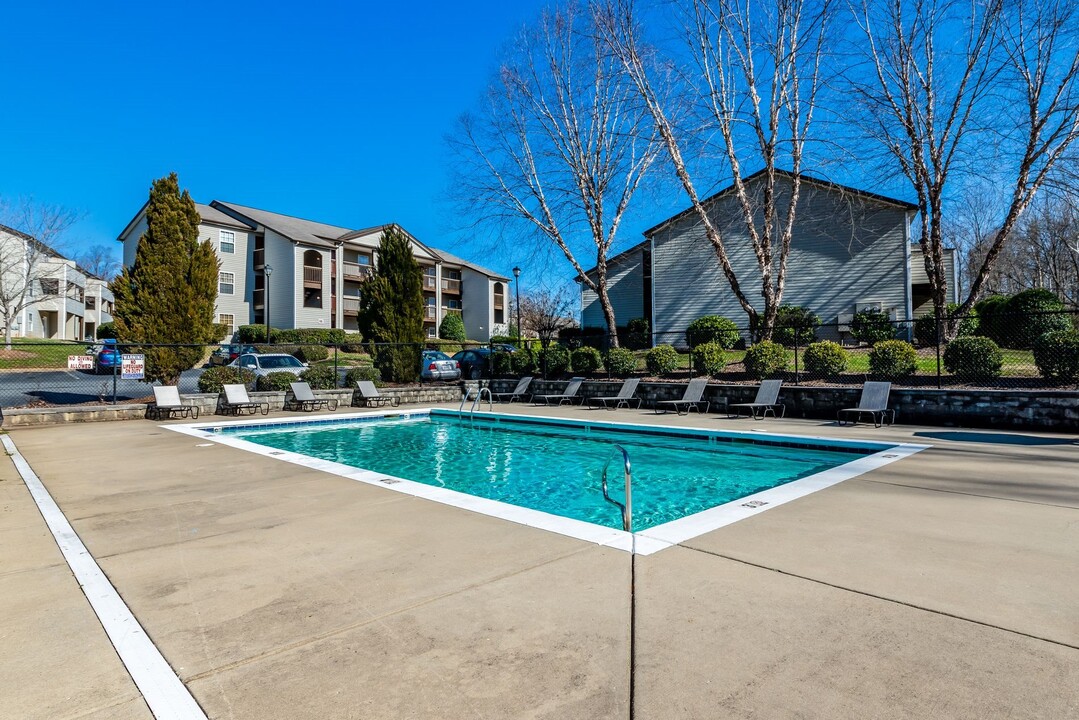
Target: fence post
x=939 y=339
x=797 y=330
x=335 y=385
x=115 y=368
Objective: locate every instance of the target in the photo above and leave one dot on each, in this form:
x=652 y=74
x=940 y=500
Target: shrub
x=503 y=363
x=712 y=328
x=586 y=360
x=1028 y=315
x=661 y=360
x=991 y=322
x=871 y=327
x=211 y=379
x=279 y=381
x=973 y=359
x=766 y=358
x=249 y=334
x=398 y=363
x=925 y=327
x=522 y=362
x=794 y=323
x=709 y=359
x=452 y=328
x=554 y=360
x=893 y=360
x=363 y=372
x=310 y=353
x=638 y=336
x=106 y=331
x=825 y=358
x=1057 y=355
x=620 y=362
x=320 y=378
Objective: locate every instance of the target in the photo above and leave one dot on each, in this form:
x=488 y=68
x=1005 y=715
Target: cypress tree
x=391 y=308
x=167 y=296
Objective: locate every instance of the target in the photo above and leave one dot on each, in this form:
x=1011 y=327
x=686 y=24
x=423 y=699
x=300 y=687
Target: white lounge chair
x=766 y=402
x=568 y=395
x=167 y=404
x=520 y=393
x=874 y=402
x=626 y=396
x=367 y=395
x=303 y=399
x=691 y=399
x=236 y=401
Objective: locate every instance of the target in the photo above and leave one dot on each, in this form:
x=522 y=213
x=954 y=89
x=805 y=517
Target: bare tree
x=758 y=69
x=101 y=261
x=960 y=91
x=544 y=313
x=561 y=145
x=28 y=232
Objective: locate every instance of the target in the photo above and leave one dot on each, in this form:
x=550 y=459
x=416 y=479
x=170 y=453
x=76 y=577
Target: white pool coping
x=645 y=542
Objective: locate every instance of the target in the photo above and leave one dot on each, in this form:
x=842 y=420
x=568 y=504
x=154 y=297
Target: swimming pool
x=524 y=467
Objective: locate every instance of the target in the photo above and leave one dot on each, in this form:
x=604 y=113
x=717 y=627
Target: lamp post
x=517 y=285
x=267 y=270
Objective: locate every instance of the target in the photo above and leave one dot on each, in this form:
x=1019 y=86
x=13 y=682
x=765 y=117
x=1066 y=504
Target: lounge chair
x=367 y=395
x=626 y=396
x=874 y=402
x=303 y=399
x=763 y=404
x=520 y=392
x=691 y=399
x=568 y=395
x=236 y=401
x=167 y=404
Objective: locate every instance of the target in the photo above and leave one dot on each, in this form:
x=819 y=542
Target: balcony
x=257 y=300
x=357 y=272
x=259 y=258
x=452 y=311
x=430 y=282
x=350 y=306
x=312 y=276
x=449 y=285
x=430 y=313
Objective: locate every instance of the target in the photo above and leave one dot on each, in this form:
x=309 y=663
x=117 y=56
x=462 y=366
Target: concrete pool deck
x=945 y=585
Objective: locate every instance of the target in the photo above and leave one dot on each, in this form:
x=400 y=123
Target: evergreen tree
x=391 y=308
x=167 y=296
x=452 y=328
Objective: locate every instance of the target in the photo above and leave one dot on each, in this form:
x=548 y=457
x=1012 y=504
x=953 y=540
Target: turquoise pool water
x=557 y=469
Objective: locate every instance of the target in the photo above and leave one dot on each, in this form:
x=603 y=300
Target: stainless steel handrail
x=627 y=509
x=479 y=399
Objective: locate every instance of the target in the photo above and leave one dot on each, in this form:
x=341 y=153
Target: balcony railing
x=312 y=276
x=430 y=282
x=259 y=258
x=430 y=312
x=452 y=311
x=451 y=286
x=357 y=272
x=350 y=305
x=257 y=299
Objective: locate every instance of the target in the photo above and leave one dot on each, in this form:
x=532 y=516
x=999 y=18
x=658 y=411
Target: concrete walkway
x=945 y=585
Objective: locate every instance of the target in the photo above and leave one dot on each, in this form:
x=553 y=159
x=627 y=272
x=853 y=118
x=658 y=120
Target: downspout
x=907 y=275
x=652 y=275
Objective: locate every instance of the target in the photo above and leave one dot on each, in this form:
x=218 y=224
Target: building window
x=312 y=279
x=431 y=331
x=30 y=322
x=451 y=304
x=91 y=302
x=500 y=300
x=229 y=321
x=226 y=283
x=312 y=298
x=50 y=287
x=227 y=241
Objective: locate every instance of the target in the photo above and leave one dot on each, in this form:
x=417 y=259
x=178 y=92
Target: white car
x=269 y=363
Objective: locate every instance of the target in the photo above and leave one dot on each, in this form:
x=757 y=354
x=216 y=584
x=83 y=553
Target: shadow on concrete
x=995 y=438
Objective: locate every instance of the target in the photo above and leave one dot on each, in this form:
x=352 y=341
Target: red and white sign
x=80 y=362
x=132 y=367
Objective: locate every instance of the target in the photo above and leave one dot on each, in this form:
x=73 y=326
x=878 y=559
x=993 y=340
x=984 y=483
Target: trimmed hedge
x=363 y=372
x=662 y=360
x=556 y=357
x=279 y=381
x=586 y=360
x=766 y=358
x=620 y=362
x=502 y=362
x=712 y=328
x=1057 y=355
x=893 y=360
x=925 y=327
x=452 y=328
x=709 y=359
x=211 y=379
x=795 y=323
x=523 y=362
x=638 y=336
x=973 y=359
x=320 y=378
x=872 y=327
x=991 y=321
x=825 y=358
x=254 y=334
x=1028 y=315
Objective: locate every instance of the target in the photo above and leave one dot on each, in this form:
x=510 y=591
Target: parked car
x=263 y=365
x=107 y=358
x=227 y=353
x=437 y=365
x=474 y=363
x=505 y=347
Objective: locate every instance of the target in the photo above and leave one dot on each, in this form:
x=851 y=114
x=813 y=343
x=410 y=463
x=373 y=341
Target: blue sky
x=332 y=111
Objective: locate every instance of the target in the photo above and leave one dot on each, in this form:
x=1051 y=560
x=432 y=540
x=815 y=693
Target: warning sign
x=80 y=362
x=132 y=367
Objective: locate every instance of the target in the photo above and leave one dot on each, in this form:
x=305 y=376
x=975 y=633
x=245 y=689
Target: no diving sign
x=133 y=367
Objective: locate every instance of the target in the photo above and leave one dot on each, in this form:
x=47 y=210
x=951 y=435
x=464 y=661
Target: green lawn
x=345 y=359
x=38 y=353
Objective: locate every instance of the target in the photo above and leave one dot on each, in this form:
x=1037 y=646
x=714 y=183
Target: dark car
x=437 y=365
x=475 y=363
x=505 y=347
x=227 y=353
x=108 y=358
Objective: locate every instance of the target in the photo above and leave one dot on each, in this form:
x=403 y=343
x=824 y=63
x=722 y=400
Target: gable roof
x=304 y=231
x=453 y=259
x=806 y=179
x=42 y=247
x=207 y=214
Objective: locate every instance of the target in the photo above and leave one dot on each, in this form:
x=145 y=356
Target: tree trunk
x=608 y=309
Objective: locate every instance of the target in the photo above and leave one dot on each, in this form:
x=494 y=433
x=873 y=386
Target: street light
x=267 y=270
x=517 y=284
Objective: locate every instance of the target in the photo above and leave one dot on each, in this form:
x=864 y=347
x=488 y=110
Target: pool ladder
x=627 y=509
x=477 y=400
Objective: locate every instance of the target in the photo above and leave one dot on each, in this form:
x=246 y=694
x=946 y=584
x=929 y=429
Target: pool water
x=557 y=469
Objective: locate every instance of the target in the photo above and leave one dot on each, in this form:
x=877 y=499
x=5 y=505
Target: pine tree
x=167 y=296
x=452 y=328
x=391 y=308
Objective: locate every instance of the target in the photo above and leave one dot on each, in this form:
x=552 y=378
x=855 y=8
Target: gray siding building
x=850 y=250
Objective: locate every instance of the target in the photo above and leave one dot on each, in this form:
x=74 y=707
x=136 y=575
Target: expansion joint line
x=633 y=628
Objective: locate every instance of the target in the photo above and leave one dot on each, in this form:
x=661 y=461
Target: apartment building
x=62 y=301
x=306 y=274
